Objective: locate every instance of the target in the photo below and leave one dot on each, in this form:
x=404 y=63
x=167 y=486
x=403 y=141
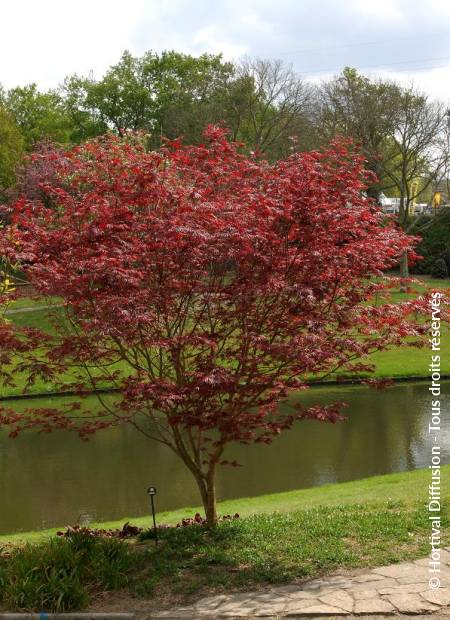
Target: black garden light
x=152 y=492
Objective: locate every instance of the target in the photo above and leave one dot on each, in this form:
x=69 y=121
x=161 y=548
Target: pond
x=52 y=480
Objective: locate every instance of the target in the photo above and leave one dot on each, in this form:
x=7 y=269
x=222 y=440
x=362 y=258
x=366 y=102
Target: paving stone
x=273 y=596
x=316 y=584
x=175 y=613
x=444 y=559
x=374 y=585
x=322 y=610
x=422 y=562
x=291 y=589
x=364 y=594
x=269 y=610
x=418 y=573
x=445 y=556
x=211 y=602
x=438 y=597
x=234 y=613
x=367 y=577
x=298 y=605
x=372 y=606
x=247 y=604
x=301 y=594
x=443 y=577
x=410 y=603
x=340 y=599
x=402 y=588
x=338 y=582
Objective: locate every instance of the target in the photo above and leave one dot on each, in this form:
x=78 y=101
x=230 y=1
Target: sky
x=42 y=41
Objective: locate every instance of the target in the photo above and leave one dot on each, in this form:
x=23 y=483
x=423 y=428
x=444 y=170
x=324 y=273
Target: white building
x=389 y=205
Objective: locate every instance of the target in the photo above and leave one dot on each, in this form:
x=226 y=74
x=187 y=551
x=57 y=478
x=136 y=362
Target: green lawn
x=411 y=362
x=277 y=539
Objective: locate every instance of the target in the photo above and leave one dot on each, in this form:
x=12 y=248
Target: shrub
x=439 y=269
x=435 y=234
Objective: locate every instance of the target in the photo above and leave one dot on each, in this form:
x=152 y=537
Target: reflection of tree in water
x=53 y=478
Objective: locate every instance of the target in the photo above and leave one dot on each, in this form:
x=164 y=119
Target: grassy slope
x=405 y=487
x=399 y=362
x=407 y=362
x=284 y=537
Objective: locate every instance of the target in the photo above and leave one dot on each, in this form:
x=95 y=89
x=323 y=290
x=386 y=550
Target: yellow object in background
x=436 y=200
x=414 y=192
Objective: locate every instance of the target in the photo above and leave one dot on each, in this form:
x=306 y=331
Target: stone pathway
x=389 y=590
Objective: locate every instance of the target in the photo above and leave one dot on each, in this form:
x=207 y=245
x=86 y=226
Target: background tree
x=434 y=231
x=272 y=106
x=37 y=170
x=414 y=156
x=192 y=93
x=401 y=133
x=39 y=115
x=353 y=105
x=11 y=149
x=172 y=94
x=205 y=286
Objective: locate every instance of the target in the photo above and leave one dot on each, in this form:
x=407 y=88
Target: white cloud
x=45 y=40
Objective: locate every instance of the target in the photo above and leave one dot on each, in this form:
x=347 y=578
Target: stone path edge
x=398 y=590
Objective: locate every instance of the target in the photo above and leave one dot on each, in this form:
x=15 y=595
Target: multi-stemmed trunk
x=204 y=476
x=207 y=487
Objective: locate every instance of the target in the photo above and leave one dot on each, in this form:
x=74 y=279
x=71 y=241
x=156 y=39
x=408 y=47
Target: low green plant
x=43 y=577
x=111 y=563
x=57 y=575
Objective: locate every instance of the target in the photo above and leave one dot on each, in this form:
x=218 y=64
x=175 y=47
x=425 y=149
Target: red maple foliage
x=205 y=286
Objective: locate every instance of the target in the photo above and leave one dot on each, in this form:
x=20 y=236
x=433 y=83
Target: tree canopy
x=204 y=285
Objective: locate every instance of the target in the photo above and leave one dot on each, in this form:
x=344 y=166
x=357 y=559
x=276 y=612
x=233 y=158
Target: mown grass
x=282 y=547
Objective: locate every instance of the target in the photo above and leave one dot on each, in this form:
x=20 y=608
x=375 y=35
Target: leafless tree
x=355 y=106
x=415 y=156
x=274 y=104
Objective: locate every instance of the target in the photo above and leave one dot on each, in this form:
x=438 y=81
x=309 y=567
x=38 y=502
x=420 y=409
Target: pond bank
x=315 y=384
x=399 y=489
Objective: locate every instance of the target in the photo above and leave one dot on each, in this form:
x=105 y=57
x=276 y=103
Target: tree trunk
x=403 y=221
x=211 y=508
x=404 y=272
x=207 y=489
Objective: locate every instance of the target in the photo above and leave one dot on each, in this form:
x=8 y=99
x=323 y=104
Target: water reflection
x=48 y=480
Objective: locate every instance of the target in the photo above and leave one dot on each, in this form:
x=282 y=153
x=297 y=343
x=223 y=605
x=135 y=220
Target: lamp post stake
x=152 y=492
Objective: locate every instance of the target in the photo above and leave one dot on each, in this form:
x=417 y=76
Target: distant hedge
x=435 y=245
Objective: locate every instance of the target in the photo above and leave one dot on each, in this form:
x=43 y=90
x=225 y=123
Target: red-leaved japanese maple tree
x=204 y=286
